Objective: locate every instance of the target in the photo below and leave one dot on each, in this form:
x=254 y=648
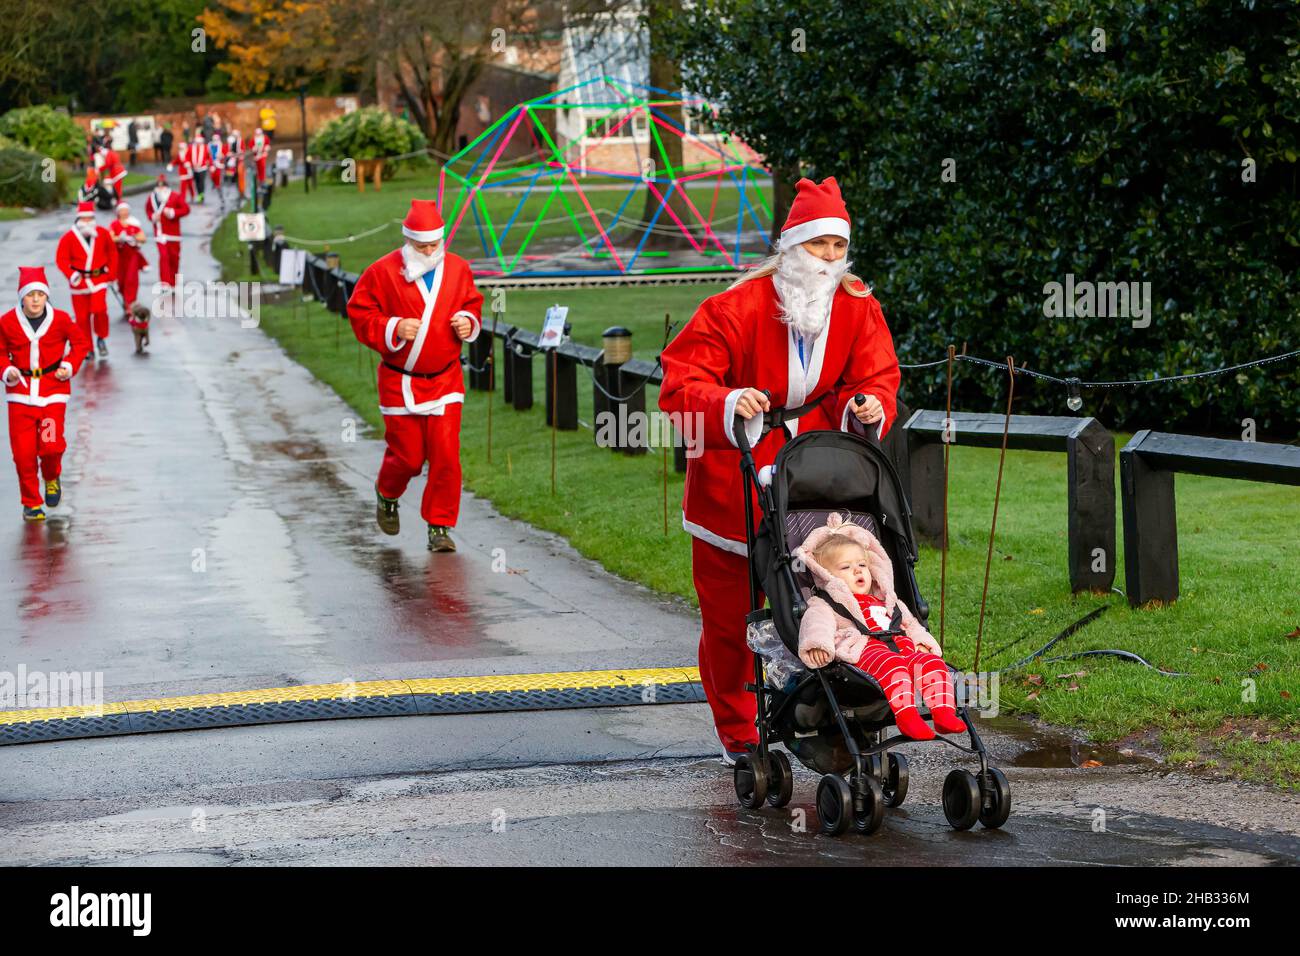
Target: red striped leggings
x=903 y=673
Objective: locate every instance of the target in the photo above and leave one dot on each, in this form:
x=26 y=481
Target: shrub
x=1122 y=163
x=29 y=179
x=369 y=133
x=45 y=130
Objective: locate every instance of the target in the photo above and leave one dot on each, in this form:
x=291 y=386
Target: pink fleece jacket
x=827 y=629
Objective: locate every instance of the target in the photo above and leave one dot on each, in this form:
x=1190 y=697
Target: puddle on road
x=1043 y=748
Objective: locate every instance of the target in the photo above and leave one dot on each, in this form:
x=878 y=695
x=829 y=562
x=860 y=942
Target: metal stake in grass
x=997 y=494
x=667 y=330
x=947 y=445
x=492 y=383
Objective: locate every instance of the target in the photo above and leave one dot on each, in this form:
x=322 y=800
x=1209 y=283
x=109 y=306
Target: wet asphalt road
x=217 y=534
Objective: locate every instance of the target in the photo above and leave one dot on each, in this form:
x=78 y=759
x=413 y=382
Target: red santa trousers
x=900 y=674
x=36 y=436
x=92 y=309
x=169 y=262
x=414 y=439
x=128 y=278
x=726 y=662
x=187 y=189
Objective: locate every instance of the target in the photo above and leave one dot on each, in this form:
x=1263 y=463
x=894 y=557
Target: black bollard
x=561 y=390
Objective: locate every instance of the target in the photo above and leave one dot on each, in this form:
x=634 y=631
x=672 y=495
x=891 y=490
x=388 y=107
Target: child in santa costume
x=87 y=256
x=129 y=238
x=786 y=348
x=850 y=567
x=165 y=208
x=415 y=307
x=180 y=164
x=42 y=349
x=199 y=158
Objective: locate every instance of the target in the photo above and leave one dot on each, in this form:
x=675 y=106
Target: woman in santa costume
x=129 y=238
x=184 y=171
x=415 y=307
x=787 y=348
x=165 y=208
x=42 y=349
x=87 y=256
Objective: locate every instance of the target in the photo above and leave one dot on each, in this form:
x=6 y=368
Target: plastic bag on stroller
x=781 y=669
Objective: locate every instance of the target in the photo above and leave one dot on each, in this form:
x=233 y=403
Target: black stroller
x=834 y=718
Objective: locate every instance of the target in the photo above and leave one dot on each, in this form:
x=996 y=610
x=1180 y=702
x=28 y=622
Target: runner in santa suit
x=415 y=307
x=181 y=165
x=129 y=237
x=87 y=257
x=41 y=348
x=165 y=208
x=260 y=147
x=216 y=159
x=809 y=333
x=111 y=171
x=199 y=159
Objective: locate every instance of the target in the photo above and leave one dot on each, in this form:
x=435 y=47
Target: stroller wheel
x=780 y=779
x=873 y=806
x=834 y=804
x=997 y=794
x=896 y=781
x=750 y=778
x=961 y=799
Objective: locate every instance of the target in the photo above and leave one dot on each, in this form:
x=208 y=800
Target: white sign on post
x=283 y=159
x=293 y=263
x=251 y=226
x=553 y=329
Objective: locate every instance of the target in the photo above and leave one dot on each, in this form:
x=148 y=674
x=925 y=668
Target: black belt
x=38 y=372
x=398 y=368
x=779 y=416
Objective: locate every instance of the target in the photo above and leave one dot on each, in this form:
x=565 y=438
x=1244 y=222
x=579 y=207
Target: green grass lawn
x=1231 y=630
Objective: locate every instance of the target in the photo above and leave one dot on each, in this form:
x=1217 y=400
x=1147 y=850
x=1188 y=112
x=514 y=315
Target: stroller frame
x=878 y=777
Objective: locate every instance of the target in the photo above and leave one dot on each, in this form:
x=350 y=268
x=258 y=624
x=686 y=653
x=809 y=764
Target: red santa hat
x=31 y=279
x=818 y=210
x=85 y=210
x=423 y=223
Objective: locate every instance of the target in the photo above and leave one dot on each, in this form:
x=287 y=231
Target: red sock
x=946 y=720
x=911 y=725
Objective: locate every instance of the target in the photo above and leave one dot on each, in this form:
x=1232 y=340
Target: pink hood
x=824 y=627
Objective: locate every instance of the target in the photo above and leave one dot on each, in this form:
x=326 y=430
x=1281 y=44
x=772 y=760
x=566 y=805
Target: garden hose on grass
x=1074 y=628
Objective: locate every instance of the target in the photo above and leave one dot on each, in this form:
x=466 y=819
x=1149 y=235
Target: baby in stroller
x=849 y=617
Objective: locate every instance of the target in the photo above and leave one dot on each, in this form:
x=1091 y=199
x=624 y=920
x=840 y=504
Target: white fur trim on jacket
x=708 y=537
x=753 y=426
x=477 y=322
x=390 y=335
x=849 y=422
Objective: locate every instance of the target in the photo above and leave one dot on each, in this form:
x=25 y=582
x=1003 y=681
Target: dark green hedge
x=23 y=178
x=1122 y=165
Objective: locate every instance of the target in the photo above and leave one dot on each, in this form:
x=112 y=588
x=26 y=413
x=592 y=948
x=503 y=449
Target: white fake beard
x=160 y=195
x=415 y=265
x=805 y=286
x=86 y=228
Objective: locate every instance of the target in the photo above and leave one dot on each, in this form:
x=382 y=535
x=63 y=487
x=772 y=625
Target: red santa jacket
x=89 y=265
x=382 y=297
x=166 y=228
x=129 y=237
x=181 y=163
x=199 y=156
x=736 y=341
x=260 y=148
x=58 y=341
x=110 y=167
